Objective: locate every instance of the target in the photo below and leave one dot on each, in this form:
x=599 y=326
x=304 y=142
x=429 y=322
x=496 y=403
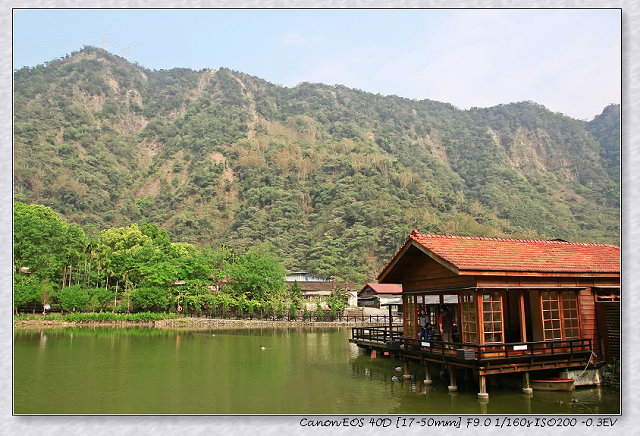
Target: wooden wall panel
x=587 y=310
x=416 y=265
x=608 y=320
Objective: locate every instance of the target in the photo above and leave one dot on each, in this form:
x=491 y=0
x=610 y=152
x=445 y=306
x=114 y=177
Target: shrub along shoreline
x=92 y=318
x=157 y=320
x=96 y=317
x=138 y=269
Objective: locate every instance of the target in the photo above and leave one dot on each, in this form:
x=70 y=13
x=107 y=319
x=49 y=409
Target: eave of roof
x=468 y=255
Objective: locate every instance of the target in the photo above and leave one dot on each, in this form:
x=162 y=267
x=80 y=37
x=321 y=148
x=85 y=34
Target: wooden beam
x=447 y=282
x=534 y=367
x=404 y=315
x=477 y=296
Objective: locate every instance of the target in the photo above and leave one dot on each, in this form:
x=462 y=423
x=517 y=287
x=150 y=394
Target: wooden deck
x=485 y=359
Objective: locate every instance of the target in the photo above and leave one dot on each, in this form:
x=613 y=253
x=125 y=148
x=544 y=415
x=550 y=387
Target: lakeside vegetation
x=138 y=269
x=96 y=317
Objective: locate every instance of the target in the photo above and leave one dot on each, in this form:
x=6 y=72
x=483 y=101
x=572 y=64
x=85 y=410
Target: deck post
x=427 y=374
x=452 y=379
x=483 y=387
x=406 y=375
x=526 y=386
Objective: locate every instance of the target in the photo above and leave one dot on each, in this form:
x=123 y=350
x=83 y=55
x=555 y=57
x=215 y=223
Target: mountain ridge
x=329 y=178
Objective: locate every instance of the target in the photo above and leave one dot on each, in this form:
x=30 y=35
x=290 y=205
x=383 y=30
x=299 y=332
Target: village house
x=379 y=294
x=317 y=289
x=517 y=306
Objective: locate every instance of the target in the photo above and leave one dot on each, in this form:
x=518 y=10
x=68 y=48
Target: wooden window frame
x=546 y=332
x=560 y=297
x=573 y=297
x=463 y=324
x=481 y=321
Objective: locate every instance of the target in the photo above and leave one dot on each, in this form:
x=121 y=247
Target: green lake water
x=301 y=371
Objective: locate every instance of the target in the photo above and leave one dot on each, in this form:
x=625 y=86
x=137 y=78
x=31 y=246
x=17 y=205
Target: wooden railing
x=511 y=350
x=377 y=334
x=502 y=351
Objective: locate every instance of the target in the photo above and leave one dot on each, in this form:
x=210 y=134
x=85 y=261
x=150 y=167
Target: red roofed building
x=511 y=298
x=374 y=294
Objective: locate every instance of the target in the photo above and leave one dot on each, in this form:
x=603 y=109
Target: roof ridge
x=416 y=235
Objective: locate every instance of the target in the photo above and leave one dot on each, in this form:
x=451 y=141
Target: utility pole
x=105 y=41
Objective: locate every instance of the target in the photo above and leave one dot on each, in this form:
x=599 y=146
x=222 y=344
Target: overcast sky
x=569 y=60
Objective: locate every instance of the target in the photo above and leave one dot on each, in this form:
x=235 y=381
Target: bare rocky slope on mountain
x=332 y=179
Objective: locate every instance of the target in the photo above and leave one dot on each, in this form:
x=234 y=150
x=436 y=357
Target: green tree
x=74 y=297
x=337 y=300
x=101 y=298
x=27 y=290
x=45 y=293
x=259 y=276
x=295 y=298
x=119 y=247
x=45 y=243
x=150 y=298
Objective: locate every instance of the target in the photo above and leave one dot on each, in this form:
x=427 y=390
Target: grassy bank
x=97 y=317
x=161 y=320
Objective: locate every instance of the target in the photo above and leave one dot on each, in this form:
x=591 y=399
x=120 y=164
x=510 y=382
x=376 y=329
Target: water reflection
x=527 y=401
x=484 y=405
x=301 y=371
x=43 y=340
x=417 y=397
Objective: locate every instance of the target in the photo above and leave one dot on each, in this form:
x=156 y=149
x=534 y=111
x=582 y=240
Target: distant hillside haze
x=330 y=179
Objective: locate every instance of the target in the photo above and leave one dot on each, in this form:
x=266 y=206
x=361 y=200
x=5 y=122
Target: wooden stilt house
x=518 y=305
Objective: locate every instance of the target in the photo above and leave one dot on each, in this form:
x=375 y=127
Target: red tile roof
x=385 y=288
x=498 y=254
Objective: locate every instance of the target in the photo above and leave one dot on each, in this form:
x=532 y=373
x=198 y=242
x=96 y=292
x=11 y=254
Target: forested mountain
x=332 y=179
